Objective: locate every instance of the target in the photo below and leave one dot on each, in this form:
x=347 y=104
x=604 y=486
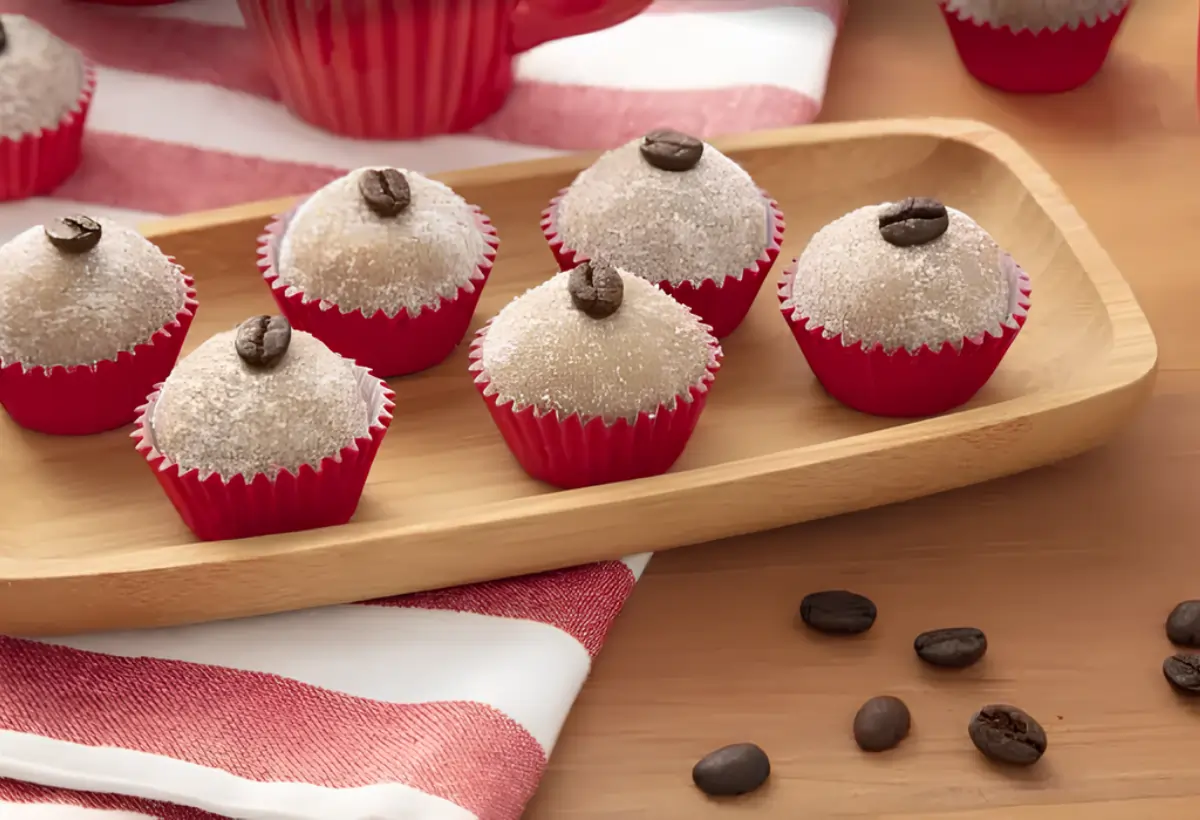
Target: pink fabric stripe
x=14 y=791
x=269 y=728
x=182 y=49
x=576 y=117
x=143 y=175
x=582 y=601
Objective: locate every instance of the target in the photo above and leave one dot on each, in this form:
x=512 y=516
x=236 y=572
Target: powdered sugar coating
x=707 y=223
x=218 y=415
x=541 y=351
x=1036 y=15
x=41 y=78
x=849 y=280
x=58 y=308
x=338 y=250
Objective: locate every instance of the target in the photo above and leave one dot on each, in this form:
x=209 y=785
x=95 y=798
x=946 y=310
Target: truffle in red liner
x=46 y=89
x=92 y=316
x=264 y=429
x=1033 y=46
x=595 y=376
x=677 y=212
x=384 y=265
x=905 y=308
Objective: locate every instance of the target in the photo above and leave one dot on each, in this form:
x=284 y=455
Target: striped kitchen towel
x=437 y=706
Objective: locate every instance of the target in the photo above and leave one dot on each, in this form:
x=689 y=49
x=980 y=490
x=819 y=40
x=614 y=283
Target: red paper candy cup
x=1023 y=61
x=388 y=345
x=571 y=453
x=35 y=164
x=722 y=306
x=324 y=495
x=906 y=384
x=82 y=399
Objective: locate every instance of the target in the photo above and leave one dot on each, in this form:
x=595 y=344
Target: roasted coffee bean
x=1183 y=624
x=955 y=647
x=1182 y=671
x=73 y=234
x=730 y=770
x=670 y=150
x=385 y=190
x=262 y=341
x=1006 y=734
x=837 y=612
x=913 y=221
x=596 y=288
x=881 y=723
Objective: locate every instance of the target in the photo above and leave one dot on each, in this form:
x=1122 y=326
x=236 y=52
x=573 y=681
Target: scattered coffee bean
x=596 y=289
x=731 y=770
x=262 y=341
x=1006 y=734
x=385 y=190
x=670 y=150
x=1183 y=672
x=956 y=647
x=837 y=612
x=881 y=723
x=1183 y=624
x=913 y=221
x=73 y=234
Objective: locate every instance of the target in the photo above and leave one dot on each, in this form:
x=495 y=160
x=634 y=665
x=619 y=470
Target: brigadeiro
x=595 y=376
x=1033 y=46
x=46 y=89
x=677 y=212
x=92 y=316
x=264 y=429
x=904 y=308
x=384 y=265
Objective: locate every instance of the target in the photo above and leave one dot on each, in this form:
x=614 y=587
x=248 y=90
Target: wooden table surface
x=1070 y=569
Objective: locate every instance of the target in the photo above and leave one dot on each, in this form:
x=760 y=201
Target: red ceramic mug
x=399 y=69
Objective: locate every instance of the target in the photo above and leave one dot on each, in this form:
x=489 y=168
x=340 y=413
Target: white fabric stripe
x=214 y=12
x=51 y=762
x=530 y=671
x=17 y=216
x=637 y=563
x=50 y=811
x=787 y=47
x=216 y=118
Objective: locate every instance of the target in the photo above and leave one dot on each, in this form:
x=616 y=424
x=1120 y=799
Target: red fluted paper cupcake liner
x=321 y=495
x=386 y=70
x=721 y=306
x=570 y=452
x=388 y=345
x=1042 y=62
x=902 y=383
x=35 y=164
x=84 y=399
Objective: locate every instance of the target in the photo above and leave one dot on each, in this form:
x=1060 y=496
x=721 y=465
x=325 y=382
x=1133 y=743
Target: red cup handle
x=539 y=21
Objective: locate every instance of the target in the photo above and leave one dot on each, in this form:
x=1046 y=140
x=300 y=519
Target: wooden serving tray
x=88 y=541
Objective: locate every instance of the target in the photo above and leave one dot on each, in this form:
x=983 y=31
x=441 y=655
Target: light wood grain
x=1071 y=569
x=96 y=545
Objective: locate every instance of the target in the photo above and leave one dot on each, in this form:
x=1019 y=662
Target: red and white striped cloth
x=437 y=706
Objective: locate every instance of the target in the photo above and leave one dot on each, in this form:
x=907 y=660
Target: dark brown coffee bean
x=670 y=150
x=730 y=770
x=837 y=612
x=881 y=723
x=1183 y=624
x=1007 y=735
x=1182 y=671
x=262 y=341
x=3 y=37
x=73 y=234
x=596 y=289
x=956 y=647
x=385 y=190
x=913 y=221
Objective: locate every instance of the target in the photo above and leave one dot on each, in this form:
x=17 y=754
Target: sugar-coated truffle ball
x=41 y=77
